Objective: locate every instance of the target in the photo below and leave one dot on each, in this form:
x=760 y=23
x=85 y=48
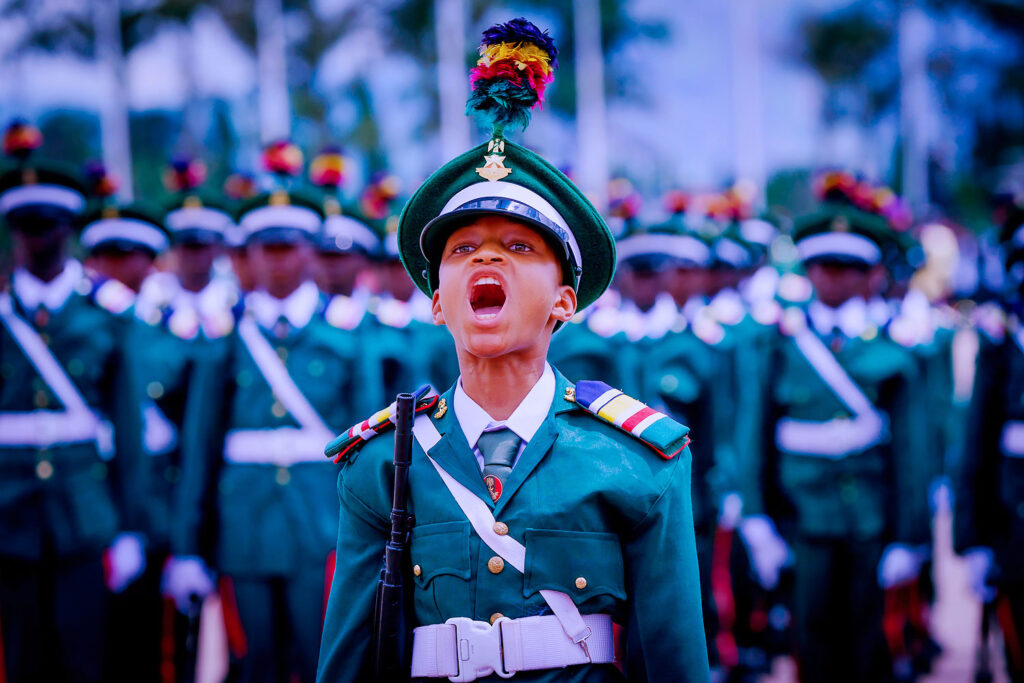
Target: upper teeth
x=488 y=281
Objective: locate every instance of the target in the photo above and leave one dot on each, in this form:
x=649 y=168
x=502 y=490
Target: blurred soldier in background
x=592 y=343
x=123 y=241
x=346 y=243
x=238 y=188
x=989 y=498
x=70 y=431
x=840 y=471
x=261 y=402
x=181 y=309
x=402 y=318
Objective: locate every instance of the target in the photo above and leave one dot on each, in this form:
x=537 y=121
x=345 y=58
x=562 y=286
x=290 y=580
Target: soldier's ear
x=565 y=304
x=435 y=308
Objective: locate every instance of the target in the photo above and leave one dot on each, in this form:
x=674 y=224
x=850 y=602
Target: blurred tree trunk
x=271 y=53
x=592 y=173
x=114 y=127
x=912 y=45
x=748 y=140
x=450 y=32
x=191 y=137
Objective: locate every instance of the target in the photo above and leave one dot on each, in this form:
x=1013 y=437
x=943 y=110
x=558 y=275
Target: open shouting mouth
x=486 y=298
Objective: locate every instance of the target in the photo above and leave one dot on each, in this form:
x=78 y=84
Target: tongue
x=487 y=310
x=487 y=299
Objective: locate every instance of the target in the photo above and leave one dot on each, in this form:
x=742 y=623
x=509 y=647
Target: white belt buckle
x=478 y=649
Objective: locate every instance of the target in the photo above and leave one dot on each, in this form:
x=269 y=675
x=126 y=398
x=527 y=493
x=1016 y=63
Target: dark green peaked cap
x=531 y=192
x=844 y=233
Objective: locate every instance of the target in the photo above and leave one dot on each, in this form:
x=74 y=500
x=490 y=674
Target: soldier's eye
x=521 y=247
x=463 y=249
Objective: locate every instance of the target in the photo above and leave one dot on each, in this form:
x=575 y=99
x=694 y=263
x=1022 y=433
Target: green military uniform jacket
x=990 y=479
x=876 y=493
x=269 y=519
x=71 y=498
x=682 y=376
x=586 y=499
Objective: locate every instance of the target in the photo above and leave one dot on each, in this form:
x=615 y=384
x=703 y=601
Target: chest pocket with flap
x=440 y=550
x=566 y=560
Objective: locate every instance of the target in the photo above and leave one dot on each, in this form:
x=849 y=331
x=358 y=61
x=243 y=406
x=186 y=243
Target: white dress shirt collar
x=33 y=292
x=298 y=307
x=525 y=420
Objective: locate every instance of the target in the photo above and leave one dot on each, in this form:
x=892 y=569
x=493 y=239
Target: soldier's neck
x=46 y=266
x=283 y=291
x=499 y=385
x=194 y=284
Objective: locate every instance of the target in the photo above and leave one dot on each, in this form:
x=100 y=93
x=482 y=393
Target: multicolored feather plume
x=376 y=200
x=517 y=62
x=239 y=186
x=283 y=158
x=328 y=168
x=184 y=174
x=100 y=183
x=21 y=139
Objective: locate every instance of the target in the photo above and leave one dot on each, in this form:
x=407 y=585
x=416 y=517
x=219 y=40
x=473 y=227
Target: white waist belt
x=45 y=428
x=283 y=446
x=463 y=650
x=832 y=439
x=1012 y=440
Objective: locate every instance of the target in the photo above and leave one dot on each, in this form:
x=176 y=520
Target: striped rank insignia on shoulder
x=349 y=441
x=666 y=436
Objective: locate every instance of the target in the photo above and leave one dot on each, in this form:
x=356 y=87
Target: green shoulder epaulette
x=666 y=436
x=352 y=439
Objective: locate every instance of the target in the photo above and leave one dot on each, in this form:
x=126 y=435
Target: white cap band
x=283 y=216
x=126 y=230
x=345 y=232
x=518 y=193
x=839 y=244
x=47 y=195
x=198 y=218
x=681 y=247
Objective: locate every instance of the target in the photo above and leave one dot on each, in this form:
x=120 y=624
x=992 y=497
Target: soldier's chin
x=486 y=343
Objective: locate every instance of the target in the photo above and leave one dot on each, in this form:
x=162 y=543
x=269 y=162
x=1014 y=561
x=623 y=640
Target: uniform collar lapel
x=33 y=292
x=453 y=453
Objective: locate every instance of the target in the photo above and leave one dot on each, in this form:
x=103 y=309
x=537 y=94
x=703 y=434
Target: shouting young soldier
x=545 y=512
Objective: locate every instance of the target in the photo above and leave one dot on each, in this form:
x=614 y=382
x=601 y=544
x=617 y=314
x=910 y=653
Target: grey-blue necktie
x=499 y=449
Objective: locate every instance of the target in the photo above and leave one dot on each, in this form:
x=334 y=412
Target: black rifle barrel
x=391 y=654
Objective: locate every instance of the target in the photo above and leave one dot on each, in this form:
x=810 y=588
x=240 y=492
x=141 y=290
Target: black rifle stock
x=392 y=647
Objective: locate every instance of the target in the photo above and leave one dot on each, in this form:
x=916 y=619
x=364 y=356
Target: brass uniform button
x=283 y=476
x=417 y=570
x=495 y=617
x=501 y=528
x=570 y=394
x=282 y=353
x=277 y=410
x=581 y=583
x=155 y=390
x=40 y=399
x=44 y=469
x=495 y=565
x=46 y=338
